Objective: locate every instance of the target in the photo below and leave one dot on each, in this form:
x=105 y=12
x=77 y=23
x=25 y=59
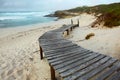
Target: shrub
x=89 y=36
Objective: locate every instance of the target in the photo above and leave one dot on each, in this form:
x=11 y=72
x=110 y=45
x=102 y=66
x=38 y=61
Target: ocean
x=14 y=19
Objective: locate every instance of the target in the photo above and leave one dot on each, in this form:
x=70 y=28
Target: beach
x=19 y=51
x=19 y=47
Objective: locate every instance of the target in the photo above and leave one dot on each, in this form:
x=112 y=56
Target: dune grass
x=110 y=13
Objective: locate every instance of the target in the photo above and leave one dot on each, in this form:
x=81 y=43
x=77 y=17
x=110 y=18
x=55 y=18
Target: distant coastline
x=107 y=14
x=22 y=18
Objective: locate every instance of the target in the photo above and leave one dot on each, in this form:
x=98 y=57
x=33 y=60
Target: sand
x=19 y=48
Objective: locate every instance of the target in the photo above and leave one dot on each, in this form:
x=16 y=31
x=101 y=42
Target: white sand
x=19 y=48
x=19 y=52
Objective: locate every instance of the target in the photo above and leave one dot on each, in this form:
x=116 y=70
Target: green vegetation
x=110 y=14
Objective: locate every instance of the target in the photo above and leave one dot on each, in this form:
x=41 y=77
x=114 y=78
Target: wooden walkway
x=73 y=62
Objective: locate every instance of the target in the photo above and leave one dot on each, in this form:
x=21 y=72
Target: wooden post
x=52 y=73
x=67 y=31
x=71 y=21
x=41 y=53
x=78 y=22
x=71 y=29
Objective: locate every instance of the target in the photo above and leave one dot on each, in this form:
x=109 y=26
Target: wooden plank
x=42 y=41
x=63 y=56
x=78 y=74
x=68 y=57
x=116 y=76
x=65 y=28
x=64 y=53
x=89 y=74
x=98 y=69
x=52 y=37
x=58 y=47
x=55 y=42
x=74 y=60
x=77 y=68
x=62 y=49
x=115 y=67
x=81 y=65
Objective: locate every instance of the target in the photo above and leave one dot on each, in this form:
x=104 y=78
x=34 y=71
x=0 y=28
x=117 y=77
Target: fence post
x=41 y=53
x=52 y=73
x=78 y=22
x=71 y=21
x=67 y=31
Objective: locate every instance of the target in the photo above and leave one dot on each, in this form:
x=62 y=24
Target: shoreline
x=13 y=30
x=17 y=29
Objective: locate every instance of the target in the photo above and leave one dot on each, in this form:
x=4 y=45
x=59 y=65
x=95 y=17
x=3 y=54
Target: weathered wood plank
x=43 y=41
x=56 y=42
x=65 y=53
x=58 y=47
x=115 y=67
x=67 y=58
x=89 y=74
x=116 y=76
x=51 y=35
x=78 y=74
x=81 y=65
x=77 y=68
x=63 y=28
x=75 y=60
x=62 y=49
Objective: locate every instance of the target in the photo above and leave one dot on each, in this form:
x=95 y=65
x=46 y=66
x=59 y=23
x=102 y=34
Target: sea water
x=14 y=19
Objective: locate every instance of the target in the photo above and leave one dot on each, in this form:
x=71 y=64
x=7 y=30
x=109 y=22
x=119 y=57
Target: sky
x=48 y=5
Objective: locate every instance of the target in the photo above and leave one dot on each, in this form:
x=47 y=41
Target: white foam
x=11 y=17
x=21 y=15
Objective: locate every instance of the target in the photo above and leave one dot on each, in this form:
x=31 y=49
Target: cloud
x=11 y=5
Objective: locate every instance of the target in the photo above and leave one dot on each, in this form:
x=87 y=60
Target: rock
x=62 y=14
x=50 y=15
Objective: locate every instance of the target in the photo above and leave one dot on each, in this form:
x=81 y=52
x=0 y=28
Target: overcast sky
x=44 y=5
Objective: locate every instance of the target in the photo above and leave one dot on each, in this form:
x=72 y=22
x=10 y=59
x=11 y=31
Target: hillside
x=109 y=13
